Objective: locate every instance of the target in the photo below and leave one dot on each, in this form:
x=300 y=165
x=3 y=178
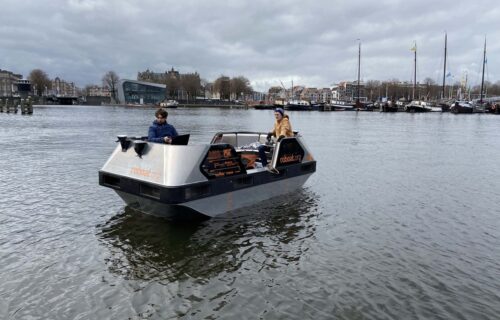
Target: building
x=62 y=88
x=140 y=92
x=23 y=88
x=325 y=95
x=310 y=94
x=97 y=91
x=8 y=83
x=348 y=91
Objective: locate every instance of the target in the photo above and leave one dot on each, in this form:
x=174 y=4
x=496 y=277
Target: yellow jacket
x=282 y=128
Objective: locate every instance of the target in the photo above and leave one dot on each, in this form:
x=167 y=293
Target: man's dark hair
x=161 y=112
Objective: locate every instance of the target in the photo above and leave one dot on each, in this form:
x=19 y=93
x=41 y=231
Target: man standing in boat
x=161 y=131
x=282 y=128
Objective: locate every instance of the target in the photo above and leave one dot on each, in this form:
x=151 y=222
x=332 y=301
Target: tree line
x=428 y=89
x=237 y=87
x=191 y=85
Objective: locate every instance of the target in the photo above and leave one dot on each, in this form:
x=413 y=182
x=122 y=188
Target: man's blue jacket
x=159 y=131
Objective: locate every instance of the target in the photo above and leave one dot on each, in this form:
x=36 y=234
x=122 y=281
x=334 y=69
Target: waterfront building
x=310 y=94
x=348 y=91
x=140 y=92
x=62 y=88
x=325 y=95
x=98 y=91
x=8 y=83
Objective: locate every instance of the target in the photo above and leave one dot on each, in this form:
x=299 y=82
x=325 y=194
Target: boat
x=169 y=104
x=417 y=106
x=461 y=107
x=444 y=105
x=388 y=106
x=300 y=105
x=494 y=108
x=340 y=105
x=264 y=106
x=208 y=179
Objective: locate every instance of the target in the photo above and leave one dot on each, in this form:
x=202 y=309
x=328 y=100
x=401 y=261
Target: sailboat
x=416 y=105
x=478 y=107
x=358 y=105
x=443 y=103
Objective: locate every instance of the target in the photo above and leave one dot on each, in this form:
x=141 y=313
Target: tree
x=222 y=85
x=240 y=85
x=173 y=86
x=40 y=81
x=111 y=79
x=191 y=84
x=373 y=88
x=87 y=89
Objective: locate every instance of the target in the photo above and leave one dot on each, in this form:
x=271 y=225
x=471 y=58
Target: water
x=400 y=221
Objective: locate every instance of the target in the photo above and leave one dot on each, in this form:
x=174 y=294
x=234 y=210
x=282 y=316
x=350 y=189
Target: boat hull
x=214 y=205
x=417 y=109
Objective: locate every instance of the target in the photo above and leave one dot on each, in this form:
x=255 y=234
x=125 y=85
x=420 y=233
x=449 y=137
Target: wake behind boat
x=211 y=178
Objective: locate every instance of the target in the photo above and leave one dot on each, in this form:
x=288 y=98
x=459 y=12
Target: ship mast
x=359 y=70
x=414 y=71
x=482 y=80
x=444 y=72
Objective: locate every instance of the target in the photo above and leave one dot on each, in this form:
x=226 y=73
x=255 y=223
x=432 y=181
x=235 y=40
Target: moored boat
x=168 y=104
x=420 y=106
x=461 y=107
x=388 y=106
x=210 y=178
x=300 y=105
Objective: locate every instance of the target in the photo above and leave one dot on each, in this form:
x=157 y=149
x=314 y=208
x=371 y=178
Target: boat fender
x=124 y=142
x=140 y=147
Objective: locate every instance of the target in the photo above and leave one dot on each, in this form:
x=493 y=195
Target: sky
x=312 y=43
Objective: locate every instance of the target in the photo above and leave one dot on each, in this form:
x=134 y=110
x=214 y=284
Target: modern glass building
x=140 y=92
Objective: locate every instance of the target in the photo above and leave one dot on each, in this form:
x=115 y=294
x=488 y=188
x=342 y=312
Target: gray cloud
x=312 y=43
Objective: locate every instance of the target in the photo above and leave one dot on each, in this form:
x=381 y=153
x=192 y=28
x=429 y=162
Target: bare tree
x=87 y=89
x=222 y=85
x=372 y=89
x=191 y=84
x=173 y=86
x=40 y=81
x=111 y=79
x=240 y=85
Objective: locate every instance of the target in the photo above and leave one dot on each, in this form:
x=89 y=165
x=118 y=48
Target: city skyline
x=311 y=44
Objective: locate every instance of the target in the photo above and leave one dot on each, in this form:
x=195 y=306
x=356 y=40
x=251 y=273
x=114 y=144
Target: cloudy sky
x=313 y=43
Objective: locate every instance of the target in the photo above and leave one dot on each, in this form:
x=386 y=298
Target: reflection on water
x=145 y=247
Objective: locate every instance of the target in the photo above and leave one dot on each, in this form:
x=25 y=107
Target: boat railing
x=239 y=139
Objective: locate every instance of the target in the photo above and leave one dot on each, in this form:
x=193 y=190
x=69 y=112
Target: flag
x=414 y=48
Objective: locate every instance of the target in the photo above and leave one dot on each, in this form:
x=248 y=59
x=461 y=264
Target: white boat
x=210 y=179
x=169 y=104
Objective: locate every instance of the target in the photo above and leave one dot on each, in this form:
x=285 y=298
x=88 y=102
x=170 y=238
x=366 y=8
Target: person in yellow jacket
x=282 y=128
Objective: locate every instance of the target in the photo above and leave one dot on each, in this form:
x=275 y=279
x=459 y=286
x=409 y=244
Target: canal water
x=400 y=221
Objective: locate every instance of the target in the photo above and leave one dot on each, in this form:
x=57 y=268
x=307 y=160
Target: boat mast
x=359 y=68
x=482 y=80
x=444 y=72
x=414 y=71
